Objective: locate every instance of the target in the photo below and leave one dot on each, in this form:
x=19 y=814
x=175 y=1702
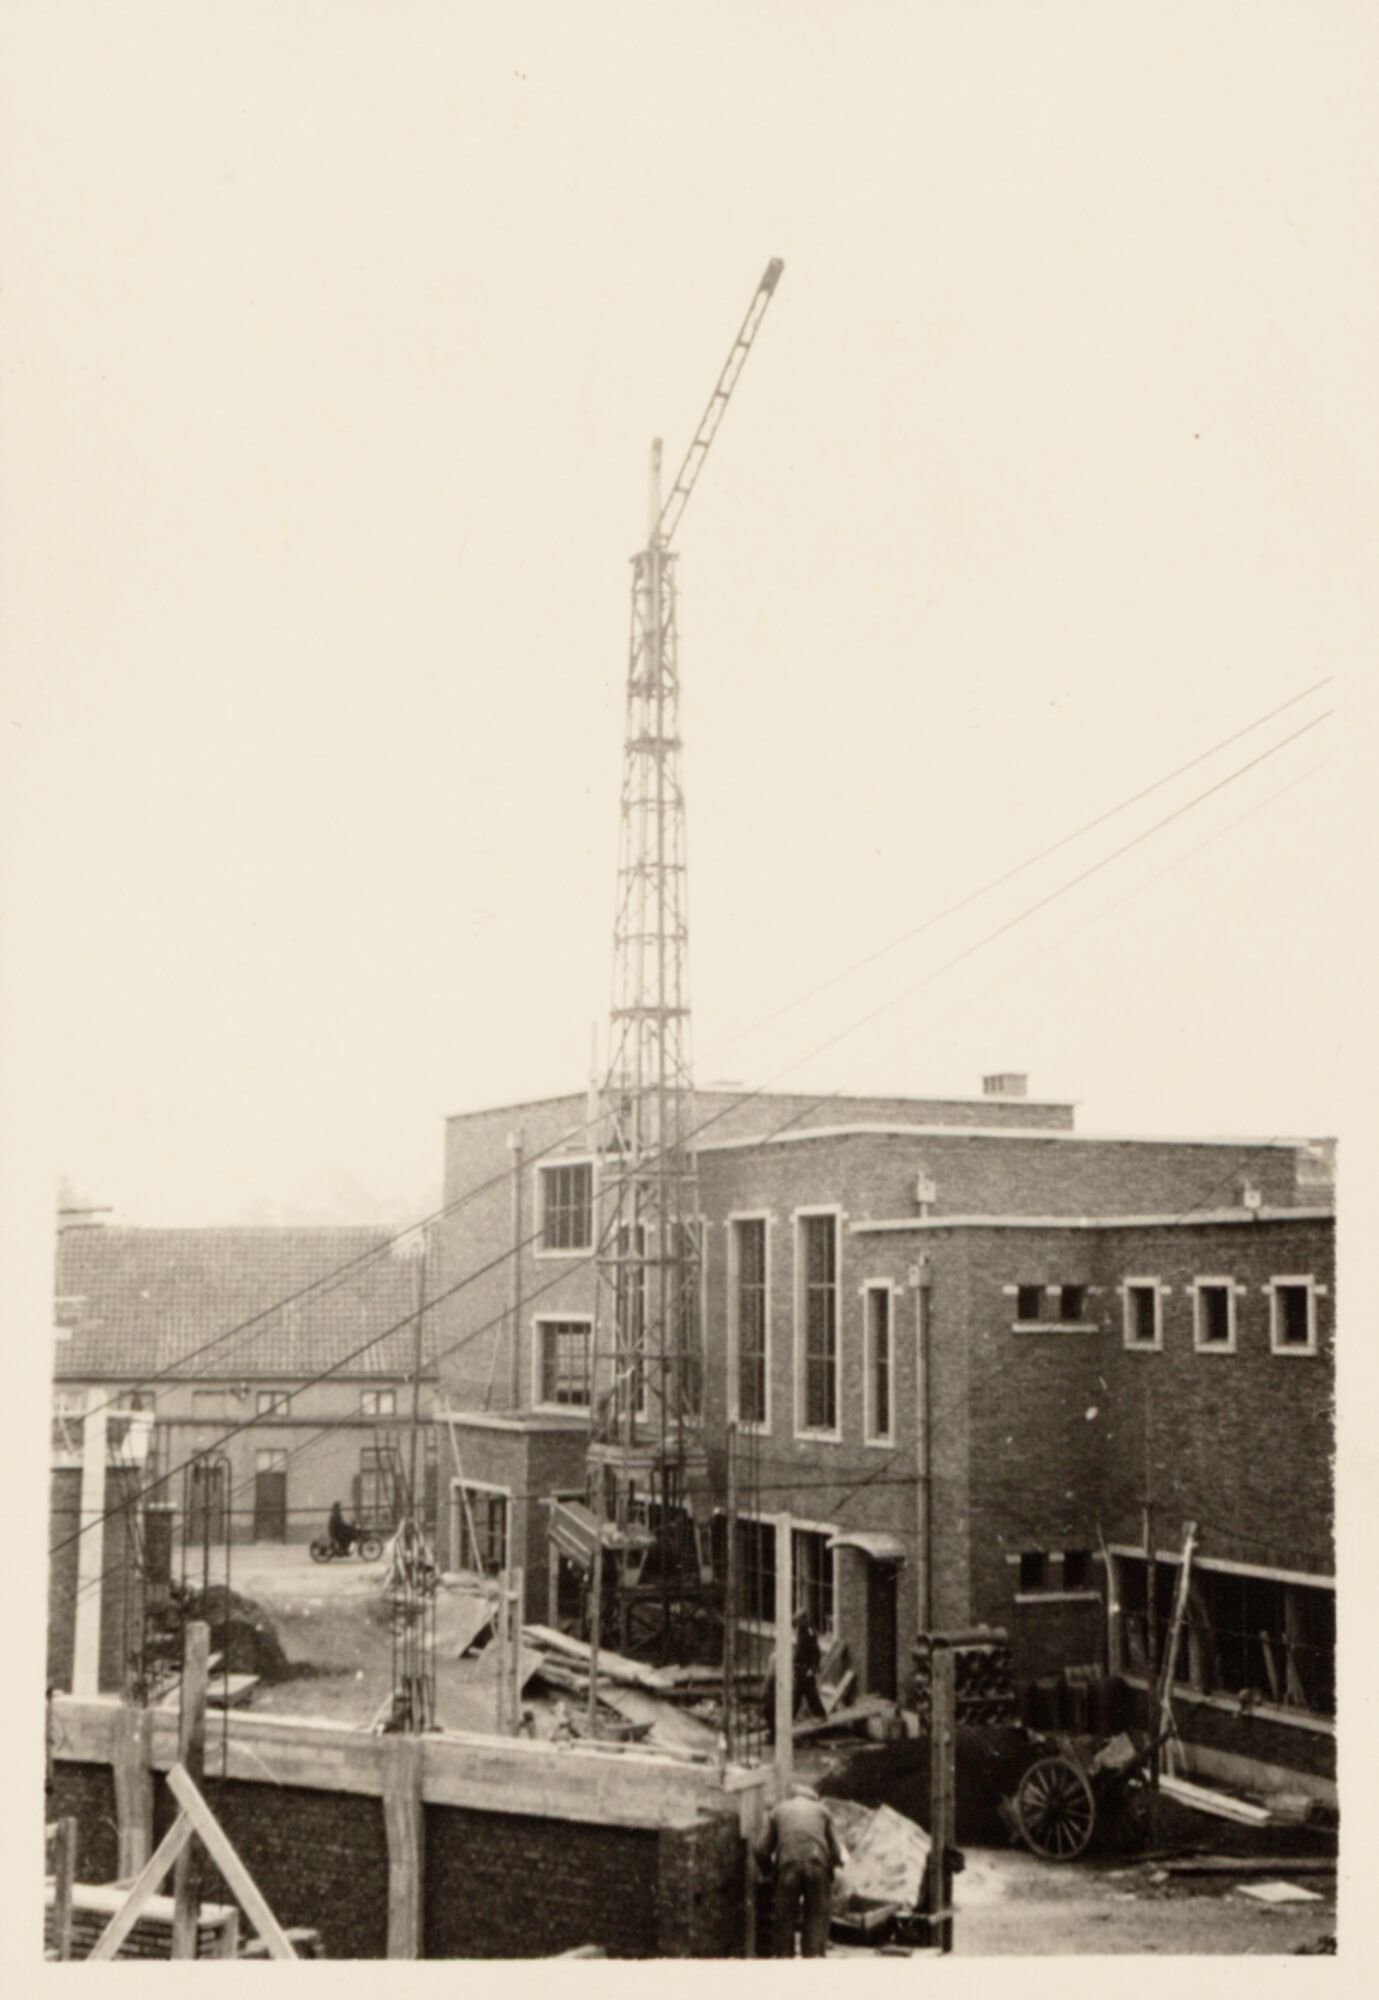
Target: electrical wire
x=341 y=1364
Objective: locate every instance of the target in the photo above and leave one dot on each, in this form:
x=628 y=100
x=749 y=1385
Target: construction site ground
x=332 y=1621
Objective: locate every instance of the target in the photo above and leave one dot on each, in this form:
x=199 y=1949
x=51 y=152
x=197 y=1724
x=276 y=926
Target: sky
x=336 y=339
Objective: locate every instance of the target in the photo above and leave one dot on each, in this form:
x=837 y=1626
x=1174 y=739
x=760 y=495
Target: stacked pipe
x=984 y=1686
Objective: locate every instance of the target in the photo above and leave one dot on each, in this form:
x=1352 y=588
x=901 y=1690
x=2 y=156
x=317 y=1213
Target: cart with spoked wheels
x=1066 y=1802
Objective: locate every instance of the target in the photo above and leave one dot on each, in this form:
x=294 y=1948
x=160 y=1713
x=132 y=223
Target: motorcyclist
x=342 y=1531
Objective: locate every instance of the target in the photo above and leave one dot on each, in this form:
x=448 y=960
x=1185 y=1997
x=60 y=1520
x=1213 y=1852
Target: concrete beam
x=486 y=1773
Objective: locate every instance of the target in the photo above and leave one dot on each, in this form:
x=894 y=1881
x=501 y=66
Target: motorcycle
x=369 y=1547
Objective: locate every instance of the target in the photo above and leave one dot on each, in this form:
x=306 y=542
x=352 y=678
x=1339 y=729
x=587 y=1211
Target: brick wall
x=498 y=1885
x=321 y=1858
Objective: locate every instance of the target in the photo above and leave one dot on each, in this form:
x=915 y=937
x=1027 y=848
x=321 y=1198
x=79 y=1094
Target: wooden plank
x=785 y=1655
x=231 y=1689
x=172 y=1844
x=1221 y=1805
x=403 y=1824
x=250 y=1896
x=670 y=1727
x=191 y=1755
x=64 y=1872
x=615 y=1665
x=133 y=1791
x=869 y=1706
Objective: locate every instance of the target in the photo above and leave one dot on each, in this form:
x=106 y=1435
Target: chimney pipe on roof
x=1006 y=1083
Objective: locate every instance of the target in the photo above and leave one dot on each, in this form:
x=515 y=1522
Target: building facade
x=964 y=1349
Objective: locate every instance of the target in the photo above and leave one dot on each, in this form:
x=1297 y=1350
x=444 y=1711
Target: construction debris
x=1220 y=1805
x=1277 y=1892
x=887 y=1853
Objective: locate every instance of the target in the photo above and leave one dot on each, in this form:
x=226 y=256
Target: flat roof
x=1188 y=1219
x=1034 y=1132
x=746 y=1096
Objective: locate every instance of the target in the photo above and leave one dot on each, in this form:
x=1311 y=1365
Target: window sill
x=1058 y=1597
x=1143 y=1346
x=1055 y=1326
x=576 y=1250
x=886 y=1443
x=560 y=1409
x=1263 y=1711
x=1213 y=1347
x=1302 y=1353
x=818 y=1437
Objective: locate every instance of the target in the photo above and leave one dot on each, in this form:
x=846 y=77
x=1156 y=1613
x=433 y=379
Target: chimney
x=1006 y=1083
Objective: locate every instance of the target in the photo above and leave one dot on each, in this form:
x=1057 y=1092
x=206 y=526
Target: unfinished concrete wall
x=527 y=1850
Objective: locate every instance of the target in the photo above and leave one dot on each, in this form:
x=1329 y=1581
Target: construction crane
x=647 y=1467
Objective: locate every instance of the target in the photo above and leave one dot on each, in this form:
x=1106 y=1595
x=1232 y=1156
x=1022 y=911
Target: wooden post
x=785 y=1655
x=923 y=1475
x=515 y=1397
x=500 y=1640
x=133 y=1791
x=515 y=1651
x=197 y=1816
x=942 y=1816
x=730 y=1602
x=86 y=1638
x=1163 y=1724
x=404 y=1823
x=64 y=1874
x=596 y=1604
x=191 y=1755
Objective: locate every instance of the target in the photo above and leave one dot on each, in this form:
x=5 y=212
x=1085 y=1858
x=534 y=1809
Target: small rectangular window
x=567 y=1206
x=1072 y=1302
x=378 y=1402
x=1292 y=1305
x=1029 y=1301
x=1214 y=1313
x=272 y=1403
x=1077 y=1569
x=1142 y=1323
x=1033 y=1570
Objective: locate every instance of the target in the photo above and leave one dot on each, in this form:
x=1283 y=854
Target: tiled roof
x=137 y=1302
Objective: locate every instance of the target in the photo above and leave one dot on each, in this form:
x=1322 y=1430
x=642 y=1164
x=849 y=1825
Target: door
x=270 y=1496
x=882 y=1627
x=207 y=1503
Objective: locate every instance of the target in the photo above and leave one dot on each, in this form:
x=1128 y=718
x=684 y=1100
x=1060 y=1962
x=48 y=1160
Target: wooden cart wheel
x=1055 y=1808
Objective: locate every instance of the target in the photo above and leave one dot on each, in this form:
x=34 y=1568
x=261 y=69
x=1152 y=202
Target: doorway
x=883 y=1629
x=270 y=1496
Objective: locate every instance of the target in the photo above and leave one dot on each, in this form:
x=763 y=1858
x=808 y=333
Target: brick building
x=207 y=1341
x=963 y=1346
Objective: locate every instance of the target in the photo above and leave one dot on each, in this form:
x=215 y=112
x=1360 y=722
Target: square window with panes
x=565 y=1363
x=567 y=1206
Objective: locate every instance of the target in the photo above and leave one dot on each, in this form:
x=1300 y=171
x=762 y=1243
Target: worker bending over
x=800 y=1842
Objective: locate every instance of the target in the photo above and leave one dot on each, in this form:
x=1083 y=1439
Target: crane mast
x=647 y=1466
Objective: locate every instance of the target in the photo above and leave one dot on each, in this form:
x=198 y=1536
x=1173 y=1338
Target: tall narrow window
x=567 y=1206
x=1029 y=1301
x=819 y=1236
x=879 y=1364
x=749 y=1307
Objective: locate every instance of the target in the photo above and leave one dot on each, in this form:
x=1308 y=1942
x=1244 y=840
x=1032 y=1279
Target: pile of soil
x=241 y=1632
